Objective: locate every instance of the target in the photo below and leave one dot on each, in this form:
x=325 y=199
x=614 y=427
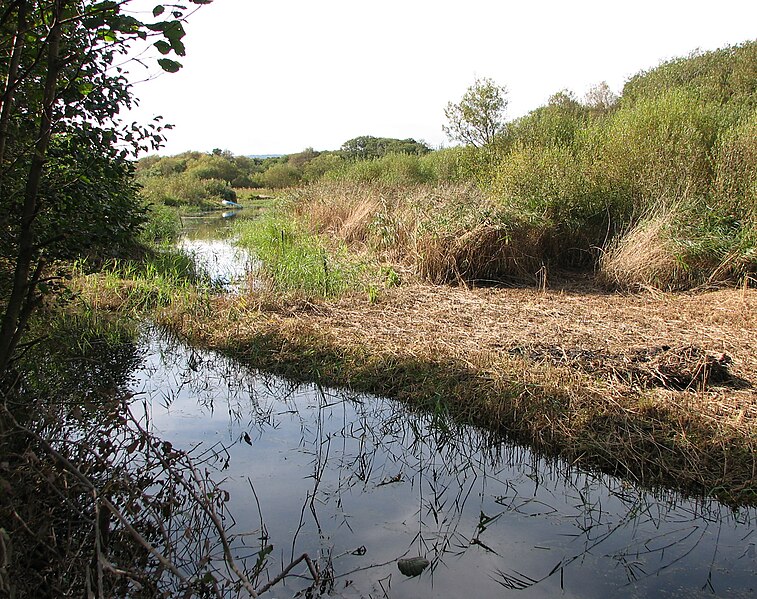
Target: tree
x=366 y=147
x=600 y=98
x=63 y=148
x=478 y=118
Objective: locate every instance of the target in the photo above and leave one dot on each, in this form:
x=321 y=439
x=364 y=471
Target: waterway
x=359 y=482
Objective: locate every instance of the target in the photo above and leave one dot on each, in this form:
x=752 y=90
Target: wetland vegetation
x=523 y=363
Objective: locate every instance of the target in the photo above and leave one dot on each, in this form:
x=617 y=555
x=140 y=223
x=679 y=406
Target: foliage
x=88 y=203
x=214 y=166
x=278 y=176
x=163 y=225
x=367 y=147
x=557 y=123
x=63 y=149
x=320 y=165
x=600 y=99
x=296 y=261
x=185 y=190
x=723 y=76
x=478 y=118
x=654 y=189
x=668 y=166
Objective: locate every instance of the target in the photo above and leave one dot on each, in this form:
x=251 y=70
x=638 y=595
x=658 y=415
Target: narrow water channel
x=359 y=482
x=209 y=240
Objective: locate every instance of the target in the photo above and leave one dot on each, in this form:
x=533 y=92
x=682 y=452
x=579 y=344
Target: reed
x=138 y=287
x=294 y=261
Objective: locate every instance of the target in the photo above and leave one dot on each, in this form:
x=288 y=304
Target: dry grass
x=598 y=378
x=485 y=253
x=342 y=210
x=444 y=233
x=642 y=257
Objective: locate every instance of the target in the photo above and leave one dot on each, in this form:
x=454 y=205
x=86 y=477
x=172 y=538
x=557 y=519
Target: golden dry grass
x=642 y=257
x=571 y=371
x=442 y=232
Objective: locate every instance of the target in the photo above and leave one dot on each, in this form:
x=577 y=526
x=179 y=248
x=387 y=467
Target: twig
x=304 y=557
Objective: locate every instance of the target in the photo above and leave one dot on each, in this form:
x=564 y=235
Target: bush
x=557 y=123
x=185 y=190
x=660 y=148
x=163 y=225
x=279 y=176
x=547 y=189
x=722 y=76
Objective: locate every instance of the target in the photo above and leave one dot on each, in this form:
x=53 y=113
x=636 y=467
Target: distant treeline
x=192 y=177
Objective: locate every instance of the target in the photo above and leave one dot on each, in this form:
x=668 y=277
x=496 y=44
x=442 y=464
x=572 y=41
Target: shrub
x=547 y=189
x=660 y=147
x=163 y=225
x=185 y=190
x=279 y=176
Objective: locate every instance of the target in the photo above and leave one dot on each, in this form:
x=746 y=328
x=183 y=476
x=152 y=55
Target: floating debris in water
x=412 y=566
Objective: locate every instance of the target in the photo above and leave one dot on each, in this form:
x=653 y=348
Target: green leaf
x=170 y=66
x=158 y=10
x=178 y=47
x=85 y=88
x=162 y=46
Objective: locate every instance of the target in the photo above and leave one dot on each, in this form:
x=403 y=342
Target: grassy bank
x=653 y=388
x=652 y=188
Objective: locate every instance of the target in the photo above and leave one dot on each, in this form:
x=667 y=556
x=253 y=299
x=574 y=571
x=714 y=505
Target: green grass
x=296 y=261
x=137 y=287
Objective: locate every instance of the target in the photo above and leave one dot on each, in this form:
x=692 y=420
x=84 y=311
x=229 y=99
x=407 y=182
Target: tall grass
x=136 y=287
x=296 y=261
x=656 y=190
x=445 y=233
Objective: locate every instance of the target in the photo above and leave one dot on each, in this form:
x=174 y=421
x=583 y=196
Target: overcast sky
x=277 y=76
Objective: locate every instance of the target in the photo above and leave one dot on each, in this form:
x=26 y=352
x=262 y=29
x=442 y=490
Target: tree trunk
x=22 y=299
x=11 y=81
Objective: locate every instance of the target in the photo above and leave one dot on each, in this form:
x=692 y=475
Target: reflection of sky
x=609 y=537
x=208 y=240
x=224 y=263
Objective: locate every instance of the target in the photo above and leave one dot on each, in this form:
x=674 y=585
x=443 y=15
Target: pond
x=209 y=239
x=359 y=482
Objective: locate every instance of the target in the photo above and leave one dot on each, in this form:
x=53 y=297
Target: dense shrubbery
x=659 y=186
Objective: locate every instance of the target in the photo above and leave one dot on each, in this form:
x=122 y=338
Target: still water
x=210 y=240
x=358 y=482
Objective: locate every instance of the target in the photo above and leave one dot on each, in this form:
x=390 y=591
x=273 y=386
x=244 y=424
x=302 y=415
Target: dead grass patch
x=642 y=257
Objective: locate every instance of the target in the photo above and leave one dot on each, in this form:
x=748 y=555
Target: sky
x=279 y=76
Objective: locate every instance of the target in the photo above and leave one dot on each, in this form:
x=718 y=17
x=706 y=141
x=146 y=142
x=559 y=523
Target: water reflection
x=359 y=482
x=209 y=239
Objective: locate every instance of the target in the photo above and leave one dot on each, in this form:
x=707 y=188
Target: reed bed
x=446 y=233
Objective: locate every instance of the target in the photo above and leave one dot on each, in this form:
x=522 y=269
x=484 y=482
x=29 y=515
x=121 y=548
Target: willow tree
x=63 y=147
x=479 y=116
